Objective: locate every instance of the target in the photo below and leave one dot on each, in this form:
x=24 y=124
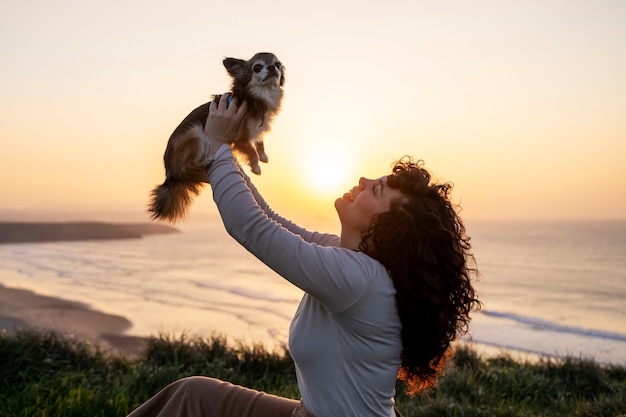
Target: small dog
x=259 y=83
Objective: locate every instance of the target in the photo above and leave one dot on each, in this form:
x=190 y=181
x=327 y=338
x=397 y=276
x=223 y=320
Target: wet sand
x=25 y=309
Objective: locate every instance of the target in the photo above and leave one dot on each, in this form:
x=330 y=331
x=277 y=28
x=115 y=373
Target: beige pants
x=209 y=397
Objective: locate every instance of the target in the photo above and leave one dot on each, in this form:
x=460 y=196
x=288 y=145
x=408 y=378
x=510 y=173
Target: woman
x=383 y=300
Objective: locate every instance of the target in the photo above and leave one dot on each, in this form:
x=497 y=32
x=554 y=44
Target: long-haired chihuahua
x=259 y=83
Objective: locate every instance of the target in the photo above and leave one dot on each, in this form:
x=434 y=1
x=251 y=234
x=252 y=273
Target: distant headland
x=31 y=232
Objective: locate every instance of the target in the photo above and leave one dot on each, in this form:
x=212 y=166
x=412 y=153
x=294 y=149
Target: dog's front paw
x=256 y=169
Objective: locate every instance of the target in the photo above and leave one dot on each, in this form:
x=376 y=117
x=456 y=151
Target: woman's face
x=370 y=197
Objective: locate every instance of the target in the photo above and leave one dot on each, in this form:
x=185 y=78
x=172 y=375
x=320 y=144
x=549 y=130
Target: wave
x=246 y=293
x=556 y=327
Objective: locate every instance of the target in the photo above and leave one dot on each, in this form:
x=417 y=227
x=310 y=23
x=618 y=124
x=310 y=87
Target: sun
x=329 y=171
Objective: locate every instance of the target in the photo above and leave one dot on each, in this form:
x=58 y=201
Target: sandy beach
x=21 y=308
x=25 y=309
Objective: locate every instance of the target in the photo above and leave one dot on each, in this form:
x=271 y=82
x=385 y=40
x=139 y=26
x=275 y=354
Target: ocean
x=554 y=288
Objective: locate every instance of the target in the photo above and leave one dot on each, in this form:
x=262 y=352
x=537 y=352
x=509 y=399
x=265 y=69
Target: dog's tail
x=170 y=201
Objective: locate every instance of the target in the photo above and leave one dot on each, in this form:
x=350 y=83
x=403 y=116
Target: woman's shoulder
x=371 y=272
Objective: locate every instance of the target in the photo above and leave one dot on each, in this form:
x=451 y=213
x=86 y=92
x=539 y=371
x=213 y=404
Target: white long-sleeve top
x=345 y=335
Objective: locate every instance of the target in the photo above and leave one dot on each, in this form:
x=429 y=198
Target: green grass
x=45 y=374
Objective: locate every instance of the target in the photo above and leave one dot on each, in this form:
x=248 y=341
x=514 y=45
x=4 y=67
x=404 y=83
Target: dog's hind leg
x=246 y=150
x=260 y=150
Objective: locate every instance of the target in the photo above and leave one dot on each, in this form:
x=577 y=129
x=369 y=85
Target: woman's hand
x=223 y=122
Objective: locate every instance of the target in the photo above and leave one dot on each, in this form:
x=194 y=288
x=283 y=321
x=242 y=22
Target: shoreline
x=25 y=309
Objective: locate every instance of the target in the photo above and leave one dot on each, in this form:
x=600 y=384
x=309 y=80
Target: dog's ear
x=235 y=67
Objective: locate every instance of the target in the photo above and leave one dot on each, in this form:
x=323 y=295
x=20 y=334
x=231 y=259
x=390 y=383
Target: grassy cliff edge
x=44 y=374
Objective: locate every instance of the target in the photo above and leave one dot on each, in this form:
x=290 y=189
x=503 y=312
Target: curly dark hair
x=421 y=241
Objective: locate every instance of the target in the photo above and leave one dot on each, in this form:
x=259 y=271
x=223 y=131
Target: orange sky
x=521 y=104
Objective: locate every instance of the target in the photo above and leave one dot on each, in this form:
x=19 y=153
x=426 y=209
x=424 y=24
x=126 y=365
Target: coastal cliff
x=27 y=232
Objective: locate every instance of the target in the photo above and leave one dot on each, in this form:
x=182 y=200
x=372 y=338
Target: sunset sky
x=521 y=104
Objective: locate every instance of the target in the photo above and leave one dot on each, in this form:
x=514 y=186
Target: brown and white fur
x=259 y=83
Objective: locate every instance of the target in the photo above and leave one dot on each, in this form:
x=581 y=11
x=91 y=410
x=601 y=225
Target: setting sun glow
x=329 y=172
x=519 y=104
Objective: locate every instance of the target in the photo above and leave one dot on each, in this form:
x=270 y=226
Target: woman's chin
x=341 y=201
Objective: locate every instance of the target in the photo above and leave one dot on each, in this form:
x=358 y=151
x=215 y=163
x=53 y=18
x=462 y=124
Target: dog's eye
x=257 y=68
x=278 y=65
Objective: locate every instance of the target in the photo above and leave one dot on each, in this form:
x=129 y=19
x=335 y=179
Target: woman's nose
x=363 y=182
